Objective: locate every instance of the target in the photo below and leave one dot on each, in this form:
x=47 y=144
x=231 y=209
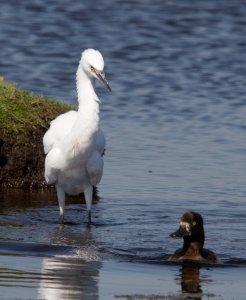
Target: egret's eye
x=92 y=69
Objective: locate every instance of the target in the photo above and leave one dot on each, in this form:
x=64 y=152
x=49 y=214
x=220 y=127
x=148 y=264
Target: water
x=175 y=128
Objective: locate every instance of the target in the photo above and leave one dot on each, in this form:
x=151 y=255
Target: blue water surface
x=175 y=122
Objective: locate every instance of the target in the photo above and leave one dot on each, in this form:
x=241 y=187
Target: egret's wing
x=94 y=167
x=59 y=128
x=100 y=142
x=53 y=164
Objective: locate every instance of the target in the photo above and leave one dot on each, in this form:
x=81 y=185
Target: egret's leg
x=88 y=191
x=61 y=200
x=89 y=217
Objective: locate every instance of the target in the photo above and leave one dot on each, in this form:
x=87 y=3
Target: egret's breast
x=73 y=180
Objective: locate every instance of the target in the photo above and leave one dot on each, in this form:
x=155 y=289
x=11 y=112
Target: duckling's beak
x=181 y=232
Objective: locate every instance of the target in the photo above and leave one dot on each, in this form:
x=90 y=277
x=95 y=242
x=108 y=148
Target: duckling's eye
x=194 y=223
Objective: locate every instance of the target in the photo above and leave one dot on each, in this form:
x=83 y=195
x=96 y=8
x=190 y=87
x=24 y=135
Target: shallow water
x=175 y=128
x=123 y=255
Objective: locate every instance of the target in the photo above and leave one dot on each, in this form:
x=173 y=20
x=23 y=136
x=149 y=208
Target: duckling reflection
x=190 y=280
x=192 y=231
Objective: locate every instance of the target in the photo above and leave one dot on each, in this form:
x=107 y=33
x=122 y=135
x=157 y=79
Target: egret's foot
x=90 y=224
x=61 y=219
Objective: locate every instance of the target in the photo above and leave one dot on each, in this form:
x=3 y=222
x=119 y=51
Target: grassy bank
x=24 y=118
x=21 y=111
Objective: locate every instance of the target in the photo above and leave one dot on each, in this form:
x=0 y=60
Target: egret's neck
x=85 y=88
x=78 y=144
x=87 y=123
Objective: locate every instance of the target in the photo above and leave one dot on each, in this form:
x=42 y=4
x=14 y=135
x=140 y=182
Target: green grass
x=21 y=111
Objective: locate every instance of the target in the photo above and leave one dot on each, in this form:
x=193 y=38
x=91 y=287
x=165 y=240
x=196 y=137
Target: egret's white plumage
x=74 y=143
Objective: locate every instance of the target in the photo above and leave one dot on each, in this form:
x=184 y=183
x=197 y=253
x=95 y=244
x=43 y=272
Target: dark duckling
x=192 y=231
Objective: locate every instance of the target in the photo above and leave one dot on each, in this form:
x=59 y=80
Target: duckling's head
x=191 y=228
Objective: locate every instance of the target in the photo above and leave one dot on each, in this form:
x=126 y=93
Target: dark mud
x=22 y=165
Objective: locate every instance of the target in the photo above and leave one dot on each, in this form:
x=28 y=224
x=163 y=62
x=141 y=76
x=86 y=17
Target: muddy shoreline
x=22 y=165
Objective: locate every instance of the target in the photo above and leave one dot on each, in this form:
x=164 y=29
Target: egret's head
x=92 y=63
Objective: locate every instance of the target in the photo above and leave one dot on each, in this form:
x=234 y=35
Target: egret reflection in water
x=68 y=278
x=71 y=276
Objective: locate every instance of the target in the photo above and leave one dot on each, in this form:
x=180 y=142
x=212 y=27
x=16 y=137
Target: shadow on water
x=12 y=199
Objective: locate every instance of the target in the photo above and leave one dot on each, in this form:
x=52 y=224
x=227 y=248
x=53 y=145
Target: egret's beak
x=102 y=78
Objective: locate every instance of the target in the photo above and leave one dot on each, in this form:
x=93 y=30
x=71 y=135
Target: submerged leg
x=88 y=191
x=89 y=217
x=61 y=200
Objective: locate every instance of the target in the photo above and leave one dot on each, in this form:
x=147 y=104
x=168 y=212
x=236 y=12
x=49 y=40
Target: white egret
x=74 y=143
